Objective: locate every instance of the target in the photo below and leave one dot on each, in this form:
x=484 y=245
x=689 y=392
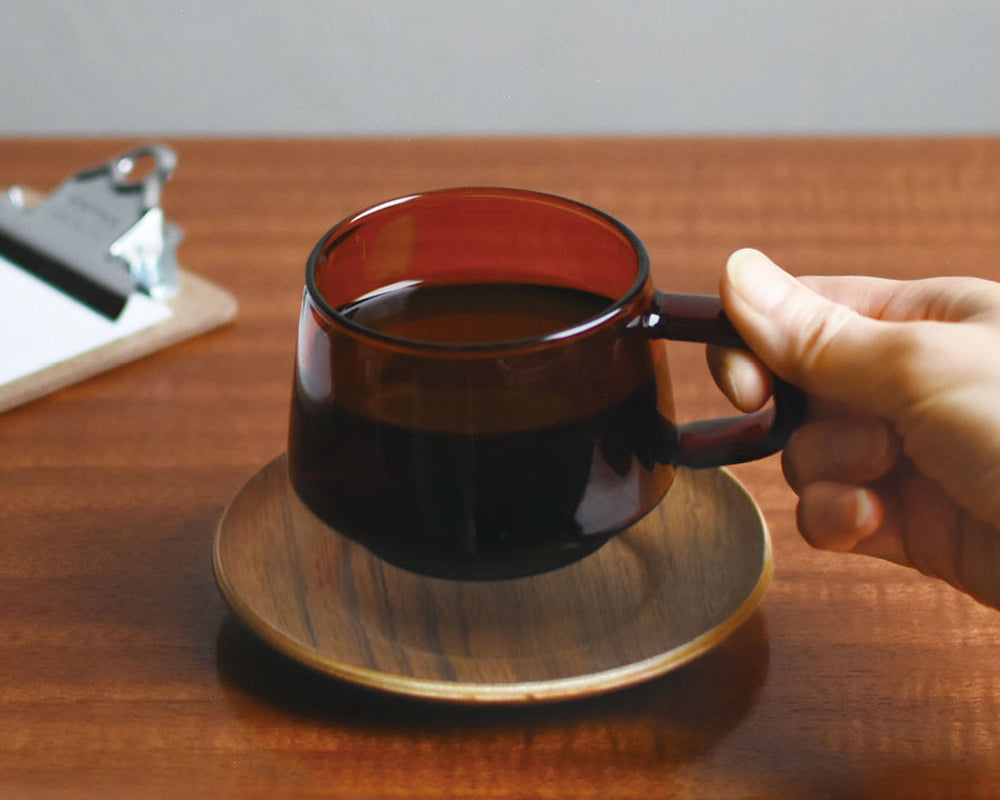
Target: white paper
x=41 y=326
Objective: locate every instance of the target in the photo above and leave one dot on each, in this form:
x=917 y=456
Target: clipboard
x=98 y=257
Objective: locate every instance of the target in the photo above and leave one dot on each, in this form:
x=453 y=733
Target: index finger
x=942 y=299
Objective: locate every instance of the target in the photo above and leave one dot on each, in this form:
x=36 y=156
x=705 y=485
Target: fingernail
x=867 y=516
x=732 y=387
x=756 y=279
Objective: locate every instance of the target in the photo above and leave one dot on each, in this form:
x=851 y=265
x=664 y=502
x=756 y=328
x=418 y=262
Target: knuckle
x=816 y=332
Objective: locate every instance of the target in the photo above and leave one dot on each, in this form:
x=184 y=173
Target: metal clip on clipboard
x=101 y=235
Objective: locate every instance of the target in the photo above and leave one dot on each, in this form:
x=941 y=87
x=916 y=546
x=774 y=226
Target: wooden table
x=123 y=675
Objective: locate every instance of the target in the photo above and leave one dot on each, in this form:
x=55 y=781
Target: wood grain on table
x=122 y=674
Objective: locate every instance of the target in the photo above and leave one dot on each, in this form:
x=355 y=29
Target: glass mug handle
x=729 y=440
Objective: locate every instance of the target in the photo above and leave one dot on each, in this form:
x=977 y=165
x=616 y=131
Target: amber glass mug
x=481 y=383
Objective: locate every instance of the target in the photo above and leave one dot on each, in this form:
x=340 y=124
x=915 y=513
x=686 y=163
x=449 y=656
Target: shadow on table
x=674 y=717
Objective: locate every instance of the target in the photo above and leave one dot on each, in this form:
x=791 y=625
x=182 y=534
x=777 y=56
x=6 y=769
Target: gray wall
x=507 y=66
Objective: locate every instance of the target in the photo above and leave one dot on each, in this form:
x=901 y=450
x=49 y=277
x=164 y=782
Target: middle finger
x=848 y=450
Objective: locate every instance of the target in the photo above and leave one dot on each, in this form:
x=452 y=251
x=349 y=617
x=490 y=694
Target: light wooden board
x=654 y=598
x=197 y=307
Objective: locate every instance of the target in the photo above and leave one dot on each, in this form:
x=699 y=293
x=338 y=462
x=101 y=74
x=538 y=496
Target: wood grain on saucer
x=655 y=597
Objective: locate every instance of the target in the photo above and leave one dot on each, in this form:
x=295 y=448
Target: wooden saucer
x=655 y=597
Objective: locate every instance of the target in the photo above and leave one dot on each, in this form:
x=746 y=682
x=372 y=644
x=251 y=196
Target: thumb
x=824 y=347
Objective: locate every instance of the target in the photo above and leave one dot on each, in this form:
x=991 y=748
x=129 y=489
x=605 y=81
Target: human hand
x=900 y=456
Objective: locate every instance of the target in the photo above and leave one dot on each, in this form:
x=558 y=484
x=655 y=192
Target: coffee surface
x=475 y=313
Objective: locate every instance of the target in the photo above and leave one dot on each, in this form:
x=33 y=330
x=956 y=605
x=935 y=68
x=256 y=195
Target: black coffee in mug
x=476 y=491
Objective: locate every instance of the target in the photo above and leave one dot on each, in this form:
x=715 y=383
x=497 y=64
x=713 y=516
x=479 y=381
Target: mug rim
x=345 y=226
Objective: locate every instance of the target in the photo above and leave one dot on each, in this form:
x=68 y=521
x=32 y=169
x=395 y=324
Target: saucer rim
x=513 y=693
